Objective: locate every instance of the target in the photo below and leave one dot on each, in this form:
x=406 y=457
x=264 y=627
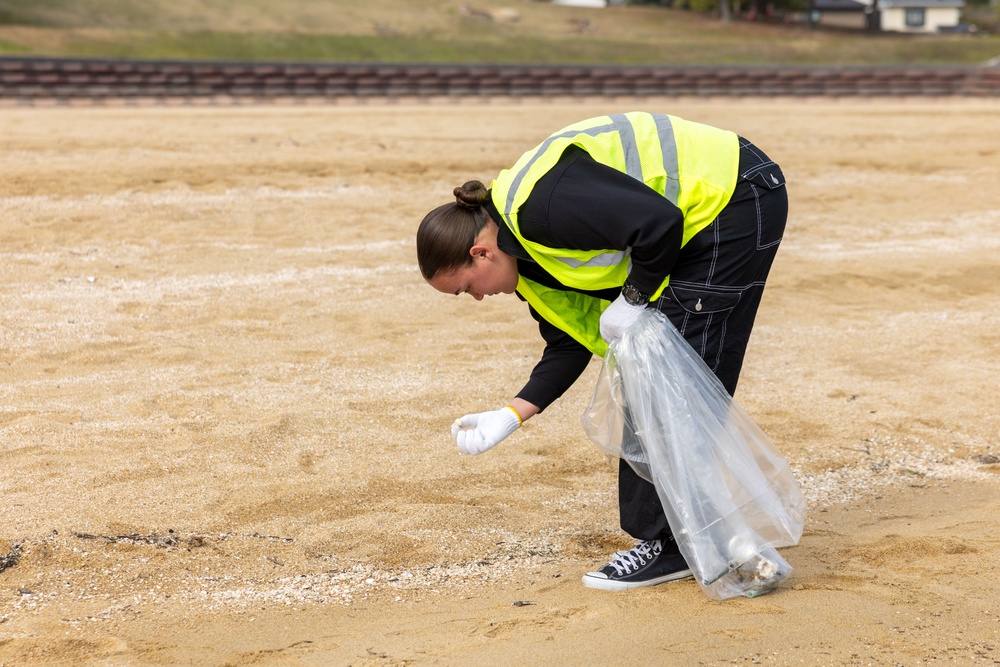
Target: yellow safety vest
x=693 y=165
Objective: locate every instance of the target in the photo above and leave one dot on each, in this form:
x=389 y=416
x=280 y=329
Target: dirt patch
x=226 y=395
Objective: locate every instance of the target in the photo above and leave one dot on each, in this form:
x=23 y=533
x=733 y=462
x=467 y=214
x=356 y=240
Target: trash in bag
x=729 y=496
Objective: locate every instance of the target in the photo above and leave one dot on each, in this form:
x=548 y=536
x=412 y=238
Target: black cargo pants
x=712 y=299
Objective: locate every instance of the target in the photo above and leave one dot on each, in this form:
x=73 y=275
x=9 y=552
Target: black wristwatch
x=633 y=296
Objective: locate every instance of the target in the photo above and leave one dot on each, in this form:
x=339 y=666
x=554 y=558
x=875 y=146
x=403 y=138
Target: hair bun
x=471 y=195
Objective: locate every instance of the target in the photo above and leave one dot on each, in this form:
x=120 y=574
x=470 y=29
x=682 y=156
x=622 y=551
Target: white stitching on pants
x=704 y=335
x=684 y=324
x=717 y=288
x=715 y=250
x=722 y=344
x=760 y=220
x=763 y=162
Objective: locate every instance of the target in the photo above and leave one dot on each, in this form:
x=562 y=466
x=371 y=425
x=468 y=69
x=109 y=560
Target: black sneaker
x=645 y=564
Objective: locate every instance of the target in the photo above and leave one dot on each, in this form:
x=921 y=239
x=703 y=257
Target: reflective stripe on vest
x=633 y=165
x=691 y=165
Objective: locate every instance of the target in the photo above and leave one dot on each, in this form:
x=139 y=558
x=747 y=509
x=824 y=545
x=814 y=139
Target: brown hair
x=446 y=234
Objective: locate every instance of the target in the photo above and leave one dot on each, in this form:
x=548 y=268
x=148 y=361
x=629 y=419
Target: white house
x=919 y=15
x=912 y=16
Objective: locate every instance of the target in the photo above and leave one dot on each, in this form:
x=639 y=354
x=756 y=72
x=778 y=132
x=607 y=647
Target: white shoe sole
x=597 y=580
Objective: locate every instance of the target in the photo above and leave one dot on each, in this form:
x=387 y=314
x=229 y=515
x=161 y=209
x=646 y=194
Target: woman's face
x=491 y=272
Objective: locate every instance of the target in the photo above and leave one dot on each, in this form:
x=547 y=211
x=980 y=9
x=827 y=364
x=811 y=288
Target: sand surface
x=225 y=396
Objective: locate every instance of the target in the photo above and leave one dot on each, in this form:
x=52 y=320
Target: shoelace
x=627 y=561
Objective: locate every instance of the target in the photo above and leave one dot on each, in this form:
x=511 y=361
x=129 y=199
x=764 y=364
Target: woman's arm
x=562 y=362
x=524 y=409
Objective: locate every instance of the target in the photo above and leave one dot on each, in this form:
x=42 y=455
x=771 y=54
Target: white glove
x=618 y=317
x=478 y=432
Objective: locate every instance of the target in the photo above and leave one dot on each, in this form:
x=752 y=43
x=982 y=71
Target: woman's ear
x=485 y=245
x=481 y=251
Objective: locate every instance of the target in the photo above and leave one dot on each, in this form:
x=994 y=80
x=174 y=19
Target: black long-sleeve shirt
x=584 y=205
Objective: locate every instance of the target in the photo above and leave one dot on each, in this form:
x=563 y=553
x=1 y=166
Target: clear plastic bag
x=729 y=496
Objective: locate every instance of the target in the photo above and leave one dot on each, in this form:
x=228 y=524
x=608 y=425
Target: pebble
x=862 y=471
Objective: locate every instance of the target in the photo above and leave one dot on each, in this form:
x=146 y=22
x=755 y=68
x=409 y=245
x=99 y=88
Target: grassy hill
x=502 y=31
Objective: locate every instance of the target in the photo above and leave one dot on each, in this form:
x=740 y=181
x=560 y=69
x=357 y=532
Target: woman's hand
x=618 y=317
x=478 y=432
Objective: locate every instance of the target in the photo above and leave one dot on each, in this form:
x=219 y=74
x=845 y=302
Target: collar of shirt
x=506 y=240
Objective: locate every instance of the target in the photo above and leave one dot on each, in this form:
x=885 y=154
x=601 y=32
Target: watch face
x=633 y=296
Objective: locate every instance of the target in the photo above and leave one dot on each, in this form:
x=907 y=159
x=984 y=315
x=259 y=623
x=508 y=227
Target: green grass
x=693 y=50
x=436 y=31
x=12 y=49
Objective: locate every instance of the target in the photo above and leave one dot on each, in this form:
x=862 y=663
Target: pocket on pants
x=700 y=314
x=768 y=185
x=767 y=175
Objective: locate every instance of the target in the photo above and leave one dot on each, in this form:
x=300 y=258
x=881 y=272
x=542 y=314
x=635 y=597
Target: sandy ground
x=225 y=395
